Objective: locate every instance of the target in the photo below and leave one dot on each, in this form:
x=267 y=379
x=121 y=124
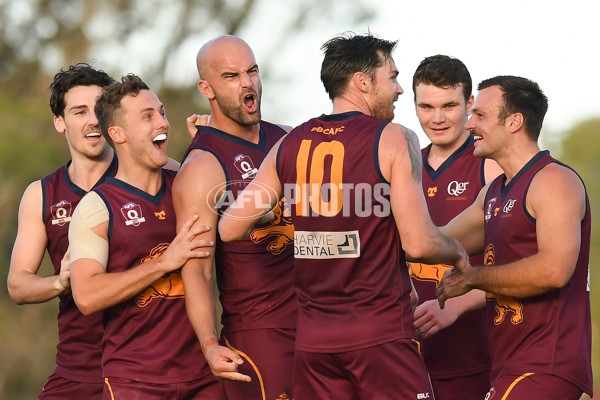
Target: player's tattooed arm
x=414 y=152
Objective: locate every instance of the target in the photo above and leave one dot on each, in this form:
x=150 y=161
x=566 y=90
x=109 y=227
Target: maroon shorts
x=471 y=387
x=388 y=371
x=59 y=388
x=533 y=386
x=268 y=356
x=208 y=388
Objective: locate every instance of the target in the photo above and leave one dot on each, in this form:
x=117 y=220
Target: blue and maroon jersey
x=352 y=294
x=255 y=275
x=147 y=338
x=448 y=191
x=549 y=333
x=79 y=349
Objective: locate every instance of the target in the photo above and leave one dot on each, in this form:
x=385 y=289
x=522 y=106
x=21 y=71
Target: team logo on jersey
x=431 y=191
x=244 y=164
x=161 y=214
x=509 y=205
x=132 y=213
x=488 y=213
x=280 y=231
x=505 y=305
x=456 y=188
x=61 y=212
x=426 y=272
x=502 y=304
x=169 y=286
x=490 y=394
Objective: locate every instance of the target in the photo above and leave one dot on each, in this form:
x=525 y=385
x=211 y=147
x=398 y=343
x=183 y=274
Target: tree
x=581 y=150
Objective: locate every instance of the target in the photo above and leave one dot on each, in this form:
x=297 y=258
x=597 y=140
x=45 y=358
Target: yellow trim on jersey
x=112 y=396
x=242 y=354
x=512 y=385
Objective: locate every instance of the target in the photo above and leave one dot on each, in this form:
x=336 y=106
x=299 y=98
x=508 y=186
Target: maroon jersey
x=255 y=275
x=549 y=333
x=352 y=294
x=147 y=338
x=79 y=349
x=449 y=190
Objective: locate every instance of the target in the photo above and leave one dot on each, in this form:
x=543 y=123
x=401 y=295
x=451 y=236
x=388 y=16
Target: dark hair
x=520 y=95
x=108 y=106
x=349 y=53
x=80 y=74
x=443 y=72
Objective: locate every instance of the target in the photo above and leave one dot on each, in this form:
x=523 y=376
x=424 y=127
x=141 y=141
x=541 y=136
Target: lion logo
x=280 y=230
x=168 y=286
x=502 y=304
x=426 y=272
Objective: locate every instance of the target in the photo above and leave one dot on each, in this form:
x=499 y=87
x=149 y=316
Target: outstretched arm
x=556 y=199
x=24 y=285
x=400 y=163
x=194 y=194
x=94 y=288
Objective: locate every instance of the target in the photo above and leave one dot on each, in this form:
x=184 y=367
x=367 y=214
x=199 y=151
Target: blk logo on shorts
x=132 y=212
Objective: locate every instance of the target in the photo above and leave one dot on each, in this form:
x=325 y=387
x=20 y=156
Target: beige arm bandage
x=83 y=241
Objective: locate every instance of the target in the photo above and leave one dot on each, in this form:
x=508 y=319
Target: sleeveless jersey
x=352 y=292
x=147 y=338
x=549 y=333
x=255 y=275
x=79 y=349
x=448 y=191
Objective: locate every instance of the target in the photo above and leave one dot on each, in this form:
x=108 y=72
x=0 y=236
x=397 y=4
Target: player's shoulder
x=557 y=173
x=558 y=179
x=90 y=204
x=198 y=159
x=33 y=195
x=285 y=128
x=396 y=136
x=200 y=168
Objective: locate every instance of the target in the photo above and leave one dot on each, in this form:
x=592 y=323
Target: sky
x=552 y=43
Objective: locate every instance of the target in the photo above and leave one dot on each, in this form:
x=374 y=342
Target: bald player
x=254 y=276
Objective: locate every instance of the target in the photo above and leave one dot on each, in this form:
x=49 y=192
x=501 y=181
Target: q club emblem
x=132 y=213
x=61 y=212
x=244 y=164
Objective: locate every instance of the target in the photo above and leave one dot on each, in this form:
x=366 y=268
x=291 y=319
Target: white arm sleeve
x=83 y=241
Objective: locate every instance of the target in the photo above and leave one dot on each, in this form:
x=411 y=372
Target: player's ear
x=362 y=81
x=470 y=104
x=117 y=134
x=59 y=124
x=206 y=89
x=514 y=122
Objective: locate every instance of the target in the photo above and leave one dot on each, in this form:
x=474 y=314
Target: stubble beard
x=236 y=112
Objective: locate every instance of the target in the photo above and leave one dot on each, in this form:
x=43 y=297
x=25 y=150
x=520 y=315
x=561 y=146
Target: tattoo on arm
x=414 y=152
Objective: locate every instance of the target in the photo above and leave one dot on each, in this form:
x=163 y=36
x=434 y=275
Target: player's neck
x=438 y=154
x=515 y=157
x=142 y=177
x=85 y=172
x=250 y=133
x=349 y=103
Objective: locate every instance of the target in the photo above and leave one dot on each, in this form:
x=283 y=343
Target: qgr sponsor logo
x=263 y=199
x=456 y=188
